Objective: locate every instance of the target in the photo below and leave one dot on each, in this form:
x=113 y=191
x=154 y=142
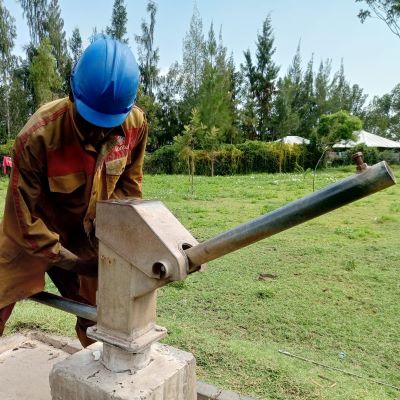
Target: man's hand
x=82 y=266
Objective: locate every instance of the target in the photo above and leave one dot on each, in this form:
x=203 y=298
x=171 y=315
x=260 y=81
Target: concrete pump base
x=170 y=375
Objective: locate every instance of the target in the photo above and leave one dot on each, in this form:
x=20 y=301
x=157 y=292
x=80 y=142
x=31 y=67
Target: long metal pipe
x=70 y=306
x=371 y=180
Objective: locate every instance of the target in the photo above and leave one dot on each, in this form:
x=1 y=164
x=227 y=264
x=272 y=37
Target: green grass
x=335 y=288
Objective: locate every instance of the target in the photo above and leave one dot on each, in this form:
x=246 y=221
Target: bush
x=371 y=154
x=245 y=158
x=391 y=156
x=165 y=160
x=270 y=157
x=6 y=149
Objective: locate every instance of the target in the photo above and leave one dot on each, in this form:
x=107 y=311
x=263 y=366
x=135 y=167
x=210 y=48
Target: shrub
x=6 y=149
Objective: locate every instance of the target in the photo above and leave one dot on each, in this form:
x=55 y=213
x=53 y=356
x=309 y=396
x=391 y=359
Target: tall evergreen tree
x=148 y=53
x=339 y=92
x=75 y=45
x=43 y=74
x=193 y=60
x=119 y=20
x=307 y=109
x=261 y=76
x=7 y=62
x=287 y=102
x=169 y=97
x=35 y=12
x=215 y=98
x=357 y=100
x=322 y=87
x=21 y=106
x=382 y=116
x=57 y=39
x=284 y=118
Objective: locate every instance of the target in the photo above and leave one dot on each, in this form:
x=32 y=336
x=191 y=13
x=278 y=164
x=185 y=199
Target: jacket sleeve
x=21 y=222
x=130 y=182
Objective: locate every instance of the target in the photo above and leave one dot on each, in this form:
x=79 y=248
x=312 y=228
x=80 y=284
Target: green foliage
x=193 y=62
x=233 y=106
x=57 y=38
x=386 y=10
x=6 y=148
x=339 y=126
x=35 y=12
x=382 y=116
x=7 y=63
x=75 y=45
x=148 y=53
x=45 y=79
x=371 y=155
x=215 y=100
x=119 y=20
x=261 y=76
x=185 y=155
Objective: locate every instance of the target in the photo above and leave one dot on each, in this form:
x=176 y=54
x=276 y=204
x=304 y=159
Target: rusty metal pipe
x=70 y=306
x=371 y=180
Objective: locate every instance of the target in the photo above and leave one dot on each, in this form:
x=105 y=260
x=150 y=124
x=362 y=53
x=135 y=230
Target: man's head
x=104 y=83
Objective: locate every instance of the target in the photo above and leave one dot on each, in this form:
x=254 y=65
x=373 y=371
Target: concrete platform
x=25 y=364
x=27 y=358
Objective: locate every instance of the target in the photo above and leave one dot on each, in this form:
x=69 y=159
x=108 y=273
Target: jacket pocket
x=66 y=183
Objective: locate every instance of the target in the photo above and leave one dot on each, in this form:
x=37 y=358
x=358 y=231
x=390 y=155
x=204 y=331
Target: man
x=71 y=153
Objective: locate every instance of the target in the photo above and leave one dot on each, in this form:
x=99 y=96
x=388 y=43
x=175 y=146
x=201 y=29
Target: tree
x=339 y=96
x=386 y=10
x=45 y=80
x=169 y=98
x=189 y=141
x=7 y=61
x=322 y=86
x=285 y=119
x=288 y=101
x=148 y=53
x=57 y=38
x=333 y=128
x=35 y=12
x=75 y=45
x=119 y=18
x=357 y=100
x=193 y=61
x=261 y=77
x=20 y=100
x=307 y=104
x=214 y=105
x=382 y=116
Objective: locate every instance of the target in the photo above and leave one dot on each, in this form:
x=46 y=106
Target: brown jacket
x=55 y=183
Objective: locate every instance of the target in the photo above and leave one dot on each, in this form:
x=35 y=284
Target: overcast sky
x=326 y=28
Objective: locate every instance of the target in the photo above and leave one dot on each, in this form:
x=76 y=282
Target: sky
x=324 y=28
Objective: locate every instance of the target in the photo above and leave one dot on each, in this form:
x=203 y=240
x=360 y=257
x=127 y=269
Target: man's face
x=92 y=133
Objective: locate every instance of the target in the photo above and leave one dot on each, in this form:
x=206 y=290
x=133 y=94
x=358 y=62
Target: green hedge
x=248 y=157
x=6 y=148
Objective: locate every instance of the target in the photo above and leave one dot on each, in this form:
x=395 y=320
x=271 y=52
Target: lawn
x=327 y=291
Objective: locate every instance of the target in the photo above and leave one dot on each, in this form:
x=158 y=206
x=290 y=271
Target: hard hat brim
x=97 y=118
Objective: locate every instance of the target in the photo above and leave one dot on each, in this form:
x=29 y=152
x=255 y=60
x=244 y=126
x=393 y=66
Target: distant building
x=369 y=140
x=293 y=140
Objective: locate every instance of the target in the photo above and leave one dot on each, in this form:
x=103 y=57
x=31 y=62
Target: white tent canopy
x=293 y=140
x=369 y=139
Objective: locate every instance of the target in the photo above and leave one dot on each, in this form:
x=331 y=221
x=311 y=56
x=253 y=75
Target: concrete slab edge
x=205 y=391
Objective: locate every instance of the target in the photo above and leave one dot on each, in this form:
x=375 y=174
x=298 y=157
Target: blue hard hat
x=104 y=82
